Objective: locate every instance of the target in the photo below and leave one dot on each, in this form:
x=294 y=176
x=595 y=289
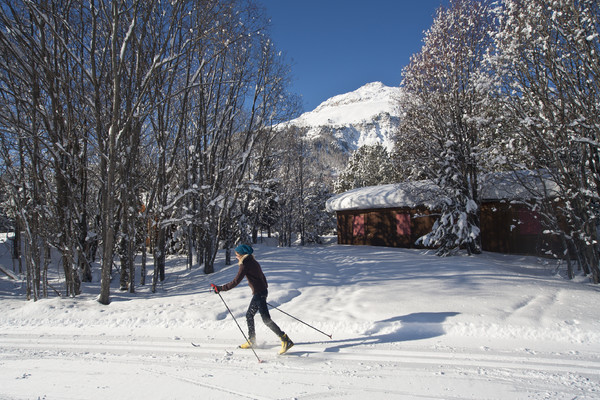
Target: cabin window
x=358 y=226
x=403 y=224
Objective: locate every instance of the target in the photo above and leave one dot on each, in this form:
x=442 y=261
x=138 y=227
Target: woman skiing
x=250 y=268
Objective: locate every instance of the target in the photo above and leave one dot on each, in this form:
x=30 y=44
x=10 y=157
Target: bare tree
x=120 y=112
x=235 y=86
x=140 y=38
x=44 y=83
x=544 y=73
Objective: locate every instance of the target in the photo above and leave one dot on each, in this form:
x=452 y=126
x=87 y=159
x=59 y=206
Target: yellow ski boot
x=249 y=344
x=286 y=344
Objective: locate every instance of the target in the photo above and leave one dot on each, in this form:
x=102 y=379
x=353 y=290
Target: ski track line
x=340 y=390
x=336 y=390
x=207 y=385
x=164 y=346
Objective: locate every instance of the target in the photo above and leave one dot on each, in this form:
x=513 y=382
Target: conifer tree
x=440 y=136
x=369 y=165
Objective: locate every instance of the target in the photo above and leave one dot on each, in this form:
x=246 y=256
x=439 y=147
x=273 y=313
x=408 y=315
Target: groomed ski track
x=338 y=368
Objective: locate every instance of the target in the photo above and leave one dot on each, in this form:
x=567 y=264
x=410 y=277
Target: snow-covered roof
x=517 y=185
x=405 y=194
x=496 y=186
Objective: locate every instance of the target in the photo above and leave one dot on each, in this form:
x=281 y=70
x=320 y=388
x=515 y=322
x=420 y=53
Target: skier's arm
x=238 y=278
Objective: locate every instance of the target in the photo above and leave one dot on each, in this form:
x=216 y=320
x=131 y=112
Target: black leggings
x=259 y=303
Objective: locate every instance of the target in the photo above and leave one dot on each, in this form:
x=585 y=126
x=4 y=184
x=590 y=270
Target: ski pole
x=238 y=325
x=299 y=320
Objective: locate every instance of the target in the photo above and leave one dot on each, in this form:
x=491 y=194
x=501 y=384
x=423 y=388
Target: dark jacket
x=249 y=268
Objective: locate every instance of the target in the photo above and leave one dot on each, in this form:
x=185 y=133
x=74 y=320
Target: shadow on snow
x=415 y=326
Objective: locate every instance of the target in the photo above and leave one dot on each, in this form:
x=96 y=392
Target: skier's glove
x=215 y=288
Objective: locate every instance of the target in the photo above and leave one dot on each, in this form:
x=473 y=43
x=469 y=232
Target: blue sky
x=336 y=46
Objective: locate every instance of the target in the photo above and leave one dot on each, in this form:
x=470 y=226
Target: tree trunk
x=209 y=259
x=16 y=245
x=143 y=267
x=109 y=177
x=159 y=258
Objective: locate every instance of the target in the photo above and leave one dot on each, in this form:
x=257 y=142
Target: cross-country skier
x=250 y=268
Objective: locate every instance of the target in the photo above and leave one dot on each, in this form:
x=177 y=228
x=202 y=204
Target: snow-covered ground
x=405 y=325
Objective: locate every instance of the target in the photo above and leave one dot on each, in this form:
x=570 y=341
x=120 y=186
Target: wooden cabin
x=396 y=215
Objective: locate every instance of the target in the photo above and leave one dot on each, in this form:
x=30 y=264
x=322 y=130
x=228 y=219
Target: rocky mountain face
x=366 y=116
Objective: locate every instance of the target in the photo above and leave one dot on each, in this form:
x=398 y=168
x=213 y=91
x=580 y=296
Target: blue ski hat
x=244 y=249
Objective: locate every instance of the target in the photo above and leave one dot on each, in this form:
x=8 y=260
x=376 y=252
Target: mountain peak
x=370 y=91
x=368 y=115
x=359 y=105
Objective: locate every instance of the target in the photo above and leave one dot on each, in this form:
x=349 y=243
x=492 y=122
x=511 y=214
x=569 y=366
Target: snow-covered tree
x=368 y=165
x=440 y=136
x=453 y=228
x=545 y=73
x=46 y=131
x=299 y=188
x=318 y=221
x=108 y=103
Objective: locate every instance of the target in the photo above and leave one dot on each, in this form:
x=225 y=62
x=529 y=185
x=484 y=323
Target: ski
x=281 y=352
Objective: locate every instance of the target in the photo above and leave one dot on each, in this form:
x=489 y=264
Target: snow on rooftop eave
x=395 y=195
x=518 y=185
x=495 y=187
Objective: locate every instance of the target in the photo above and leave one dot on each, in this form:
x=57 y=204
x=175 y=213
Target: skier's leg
x=252 y=309
x=266 y=317
x=286 y=342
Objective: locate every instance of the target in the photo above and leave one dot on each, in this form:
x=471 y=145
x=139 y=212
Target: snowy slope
x=404 y=324
x=368 y=115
